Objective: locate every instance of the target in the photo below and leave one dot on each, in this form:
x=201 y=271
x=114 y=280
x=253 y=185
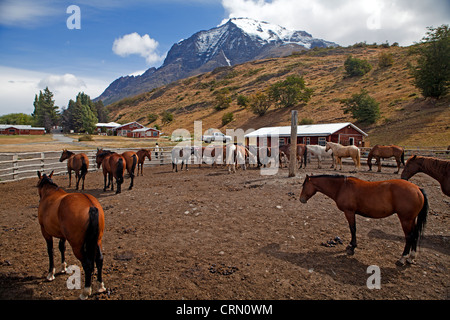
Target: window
x=322 y=141
x=308 y=140
x=281 y=141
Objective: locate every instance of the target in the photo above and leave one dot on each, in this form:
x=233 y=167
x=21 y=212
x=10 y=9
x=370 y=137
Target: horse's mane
x=334 y=176
x=105 y=152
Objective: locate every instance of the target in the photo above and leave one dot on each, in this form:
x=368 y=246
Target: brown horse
x=374 y=200
x=77 y=218
x=141 y=158
x=382 y=152
x=113 y=165
x=435 y=168
x=340 y=151
x=302 y=152
x=78 y=163
x=131 y=159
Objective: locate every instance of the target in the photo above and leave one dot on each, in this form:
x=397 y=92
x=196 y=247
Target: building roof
x=304 y=130
x=126 y=124
x=19 y=127
x=109 y=124
x=144 y=129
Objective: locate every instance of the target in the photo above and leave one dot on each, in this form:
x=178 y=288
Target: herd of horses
x=79 y=218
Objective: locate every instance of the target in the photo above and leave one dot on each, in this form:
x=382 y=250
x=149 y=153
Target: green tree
x=82 y=115
x=242 y=100
x=16 y=118
x=289 y=92
x=432 y=73
x=363 y=107
x=45 y=112
x=356 y=67
x=151 y=117
x=260 y=103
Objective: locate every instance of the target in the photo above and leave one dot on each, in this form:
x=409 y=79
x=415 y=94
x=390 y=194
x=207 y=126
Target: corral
x=207 y=234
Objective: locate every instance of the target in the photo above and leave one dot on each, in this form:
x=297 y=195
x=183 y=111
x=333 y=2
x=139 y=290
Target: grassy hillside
x=406 y=117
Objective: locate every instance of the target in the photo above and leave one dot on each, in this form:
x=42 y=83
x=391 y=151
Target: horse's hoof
x=102 y=288
x=411 y=261
x=85 y=294
x=63 y=267
x=401 y=262
x=51 y=275
x=350 y=251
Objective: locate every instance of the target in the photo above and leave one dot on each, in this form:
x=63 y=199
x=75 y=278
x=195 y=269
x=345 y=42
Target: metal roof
x=304 y=130
x=20 y=127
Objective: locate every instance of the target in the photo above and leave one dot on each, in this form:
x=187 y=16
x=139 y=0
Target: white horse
x=340 y=151
x=319 y=152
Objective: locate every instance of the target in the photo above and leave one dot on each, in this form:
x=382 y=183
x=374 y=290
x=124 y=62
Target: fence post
x=293 y=151
x=15 y=166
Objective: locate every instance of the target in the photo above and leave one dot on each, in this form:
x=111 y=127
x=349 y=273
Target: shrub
x=242 y=100
x=363 y=107
x=289 y=92
x=227 y=118
x=356 y=67
x=223 y=101
x=260 y=103
x=385 y=60
x=152 y=117
x=166 y=117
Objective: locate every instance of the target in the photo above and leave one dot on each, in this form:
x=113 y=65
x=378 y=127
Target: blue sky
x=120 y=38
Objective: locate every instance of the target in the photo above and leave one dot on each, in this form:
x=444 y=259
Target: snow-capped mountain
x=237 y=41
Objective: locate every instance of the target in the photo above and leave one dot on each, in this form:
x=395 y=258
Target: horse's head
x=308 y=190
x=64 y=155
x=411 y=168
x=44 y=180
x=327 y=147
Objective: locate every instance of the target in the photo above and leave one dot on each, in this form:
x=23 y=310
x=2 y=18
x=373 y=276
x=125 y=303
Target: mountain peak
x=236 y=41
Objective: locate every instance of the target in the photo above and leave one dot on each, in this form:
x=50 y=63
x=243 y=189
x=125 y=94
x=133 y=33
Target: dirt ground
x=207 y=234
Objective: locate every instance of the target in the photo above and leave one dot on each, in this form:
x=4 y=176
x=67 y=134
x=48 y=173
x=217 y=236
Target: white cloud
x=348 y=21
x=19 y=86
x=25 y=12
x=59 y=82
x=133 y=43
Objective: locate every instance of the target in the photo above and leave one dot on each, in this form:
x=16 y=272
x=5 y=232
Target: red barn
x=343 y=133
x=126 y=130
x=12 y=129
x=146 y=133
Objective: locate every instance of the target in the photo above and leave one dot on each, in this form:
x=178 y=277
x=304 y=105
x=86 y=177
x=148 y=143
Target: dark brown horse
x=382 y=152
x=113 y=165
x=131 y=160
x=374 y=200
x=77 y=218
x=301 y=153
x=141 y=158
x=435 y=168
x=78 y=163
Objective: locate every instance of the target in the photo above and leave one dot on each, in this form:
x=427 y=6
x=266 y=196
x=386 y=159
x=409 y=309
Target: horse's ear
x=413 y=157
x=39 y=174
x=51 y=175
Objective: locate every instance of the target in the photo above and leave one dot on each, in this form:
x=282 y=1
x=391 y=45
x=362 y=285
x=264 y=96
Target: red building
x=126 y=130
x=146 y=133
x=343 y=133
x=12 y=129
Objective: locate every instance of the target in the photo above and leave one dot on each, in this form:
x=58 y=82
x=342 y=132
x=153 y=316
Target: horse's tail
x=84 y=168
x=403 y=157
x=369 y=158
x=89 y=249
x=421 y=219
x=119 y=171
x=133 y=166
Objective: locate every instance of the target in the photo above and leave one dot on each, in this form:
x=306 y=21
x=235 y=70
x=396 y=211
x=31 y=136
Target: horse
x=340 y=151
x=265 y=154
x=77 y=218
x=182 y=154
x=142 y=153
x=78 y=163
x=301 y=153
x=131 y=159
x=435 y=168
x=319 y=152
x=113 y=166
x=376 y=200
x=382 y=152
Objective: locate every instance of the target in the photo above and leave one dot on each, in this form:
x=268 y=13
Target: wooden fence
x=17 y=166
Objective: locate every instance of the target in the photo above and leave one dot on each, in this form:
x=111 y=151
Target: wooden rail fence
x=17 y=166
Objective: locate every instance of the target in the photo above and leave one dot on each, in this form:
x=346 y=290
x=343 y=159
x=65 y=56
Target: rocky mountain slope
x=235 y=42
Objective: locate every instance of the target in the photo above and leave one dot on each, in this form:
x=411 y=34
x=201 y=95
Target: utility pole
x=293 y=151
